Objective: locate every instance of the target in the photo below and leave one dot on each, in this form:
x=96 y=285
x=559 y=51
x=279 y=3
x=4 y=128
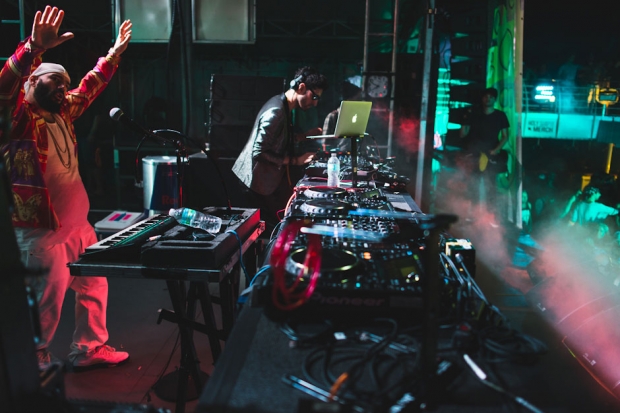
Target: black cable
x=492 y=374
x=354 y=372
x=482 y=376
x=147 y=395
x=504 y=344
x=137 y=161
x=241 y=263
x=301 y=341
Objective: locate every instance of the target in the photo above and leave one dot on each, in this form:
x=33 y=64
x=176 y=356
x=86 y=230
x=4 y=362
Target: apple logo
x=354 y=118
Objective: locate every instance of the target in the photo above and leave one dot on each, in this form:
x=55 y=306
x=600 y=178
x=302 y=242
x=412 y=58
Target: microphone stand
x=181 y=152
x=431 y=287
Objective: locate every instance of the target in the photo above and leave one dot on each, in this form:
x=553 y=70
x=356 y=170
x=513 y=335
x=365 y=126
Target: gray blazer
x=260 y=165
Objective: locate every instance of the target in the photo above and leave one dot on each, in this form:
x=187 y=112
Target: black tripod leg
x=207 y=313
x=229 y=292
x=176 y=289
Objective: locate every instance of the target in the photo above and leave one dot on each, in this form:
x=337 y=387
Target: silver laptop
x=352 y=120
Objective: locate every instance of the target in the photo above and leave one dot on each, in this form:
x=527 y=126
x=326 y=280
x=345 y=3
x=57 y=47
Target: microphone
x=118 y=115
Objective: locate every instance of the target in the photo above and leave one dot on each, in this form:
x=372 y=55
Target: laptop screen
x=353 y=118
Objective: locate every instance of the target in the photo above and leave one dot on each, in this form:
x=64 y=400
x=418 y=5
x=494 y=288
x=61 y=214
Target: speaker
x=245 y=88
x=470 y=93
x=471 y=70
x=595 y=346
x=234 y=112
x=459 y=116
x=204 y=187
x=230 y=21
x=228 y=140
x=151 y=19
x=234 y=103
x=473 y=45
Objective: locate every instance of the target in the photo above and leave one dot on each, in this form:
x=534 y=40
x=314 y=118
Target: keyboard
x=125 y=245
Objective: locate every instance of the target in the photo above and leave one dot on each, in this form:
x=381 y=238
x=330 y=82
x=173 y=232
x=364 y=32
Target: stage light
x=544 y=93
x=606 y=96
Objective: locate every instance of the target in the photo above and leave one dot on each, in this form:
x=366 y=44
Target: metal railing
x=550 y=97
x=551 y=110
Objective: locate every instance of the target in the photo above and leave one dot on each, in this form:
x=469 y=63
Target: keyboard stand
x=184 y=303
x=184 y=315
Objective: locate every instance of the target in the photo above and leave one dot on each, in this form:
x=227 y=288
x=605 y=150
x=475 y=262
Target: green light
x=456 y=105
x=459 y=59
x=460 y=82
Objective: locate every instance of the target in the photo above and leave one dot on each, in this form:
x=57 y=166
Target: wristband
x=112 y=57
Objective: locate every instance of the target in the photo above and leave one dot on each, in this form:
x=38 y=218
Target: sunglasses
x=314 y=95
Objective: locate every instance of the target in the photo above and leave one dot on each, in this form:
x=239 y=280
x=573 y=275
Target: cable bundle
x=363 y=369
x=289 y=296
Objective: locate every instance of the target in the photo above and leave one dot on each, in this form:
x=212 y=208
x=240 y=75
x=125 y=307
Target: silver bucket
x=161 y=191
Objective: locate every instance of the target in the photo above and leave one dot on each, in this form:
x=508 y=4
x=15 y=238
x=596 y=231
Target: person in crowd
x=589 y=211
x=263 y=165
x=567 y=77
x=485 y=133
x=568 y=208
x=526 y=212
x=51 y=204
x=599 y=249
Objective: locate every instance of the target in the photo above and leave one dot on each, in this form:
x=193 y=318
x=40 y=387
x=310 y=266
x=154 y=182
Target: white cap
x=45 y=68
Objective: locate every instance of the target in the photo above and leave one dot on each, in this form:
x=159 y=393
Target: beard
x=45 y=98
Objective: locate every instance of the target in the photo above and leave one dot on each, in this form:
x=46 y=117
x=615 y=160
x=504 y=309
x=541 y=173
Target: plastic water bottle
x=196 y=219
x=333 y=170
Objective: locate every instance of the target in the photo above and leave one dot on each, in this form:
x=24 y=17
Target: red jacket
x=25 y=151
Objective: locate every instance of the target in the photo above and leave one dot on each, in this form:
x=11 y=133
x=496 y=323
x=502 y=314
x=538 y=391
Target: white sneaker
x=102 y=356
x=47 y=360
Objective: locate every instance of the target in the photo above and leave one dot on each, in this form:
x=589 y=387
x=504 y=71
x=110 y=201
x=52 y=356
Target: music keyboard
x=125 y=245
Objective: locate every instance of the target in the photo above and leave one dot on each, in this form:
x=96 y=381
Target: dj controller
x=372 y=257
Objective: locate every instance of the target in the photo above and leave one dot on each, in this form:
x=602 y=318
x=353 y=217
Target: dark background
x=149 y=85
x=555 y=29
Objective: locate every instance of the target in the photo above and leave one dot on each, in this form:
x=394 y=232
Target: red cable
x=287 y=297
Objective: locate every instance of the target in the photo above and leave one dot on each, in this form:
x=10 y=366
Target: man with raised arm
x=51 y=204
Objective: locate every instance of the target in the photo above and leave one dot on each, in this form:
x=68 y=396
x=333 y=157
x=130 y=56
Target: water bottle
x=333 y=170
x=196 y=219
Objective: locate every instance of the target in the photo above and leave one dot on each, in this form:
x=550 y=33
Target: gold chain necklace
x=67 y=163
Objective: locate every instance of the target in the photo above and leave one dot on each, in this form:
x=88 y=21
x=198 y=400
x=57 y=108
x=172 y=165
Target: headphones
x=299 y=79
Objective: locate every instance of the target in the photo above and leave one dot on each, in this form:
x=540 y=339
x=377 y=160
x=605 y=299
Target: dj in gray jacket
x=263 y=163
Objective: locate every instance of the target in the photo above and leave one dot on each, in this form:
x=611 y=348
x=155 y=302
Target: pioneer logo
x=319 y=298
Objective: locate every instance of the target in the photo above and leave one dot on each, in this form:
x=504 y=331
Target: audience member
x=567 y=76
x=589 y=211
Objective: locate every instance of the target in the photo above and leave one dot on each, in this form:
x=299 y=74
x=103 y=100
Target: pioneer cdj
x=370 y=258
x=325 y=201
